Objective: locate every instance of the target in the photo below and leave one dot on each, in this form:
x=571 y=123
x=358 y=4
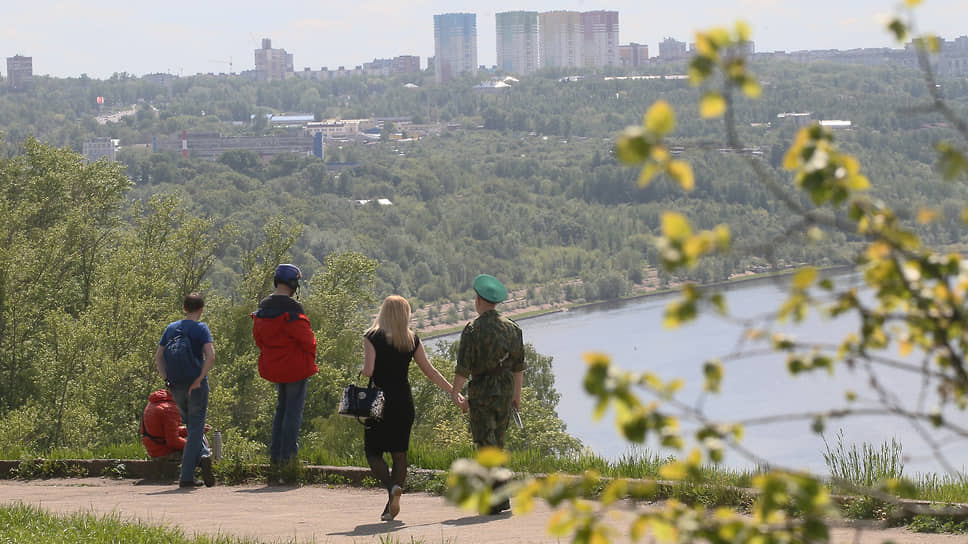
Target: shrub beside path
x=321 y=514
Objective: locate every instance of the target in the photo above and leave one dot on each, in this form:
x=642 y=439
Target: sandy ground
x=322 y=515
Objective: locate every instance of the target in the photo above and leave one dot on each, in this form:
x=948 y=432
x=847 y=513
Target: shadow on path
x=370 y=529
x=475 y=520
x=173 y=491
x=268 y=489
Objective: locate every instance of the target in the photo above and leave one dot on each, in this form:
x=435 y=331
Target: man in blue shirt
x=189 y=387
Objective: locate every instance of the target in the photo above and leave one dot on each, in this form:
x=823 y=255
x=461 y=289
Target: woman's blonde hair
x=394 y=321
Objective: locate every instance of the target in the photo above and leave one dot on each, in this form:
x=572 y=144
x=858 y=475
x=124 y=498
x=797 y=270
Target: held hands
x=459 y=401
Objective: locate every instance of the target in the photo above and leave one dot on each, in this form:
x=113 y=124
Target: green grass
x=866 y=465
x=854 y=467
x=944 y=488
x=132 y=450
x=22 y=523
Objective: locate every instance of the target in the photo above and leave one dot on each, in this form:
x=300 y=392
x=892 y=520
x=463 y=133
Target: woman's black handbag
x=362 y=402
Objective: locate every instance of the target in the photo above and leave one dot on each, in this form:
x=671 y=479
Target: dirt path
x=322 y=515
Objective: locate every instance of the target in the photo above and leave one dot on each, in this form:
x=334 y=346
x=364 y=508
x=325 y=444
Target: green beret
x=490 y=289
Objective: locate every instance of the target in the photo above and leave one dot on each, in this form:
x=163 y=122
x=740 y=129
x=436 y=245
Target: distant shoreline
x=752 y=278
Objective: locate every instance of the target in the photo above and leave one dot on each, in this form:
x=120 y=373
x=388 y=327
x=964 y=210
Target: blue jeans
x=192 y=409
x=285 y=425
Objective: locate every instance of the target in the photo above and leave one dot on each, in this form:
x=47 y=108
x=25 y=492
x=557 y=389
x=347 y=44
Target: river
x=631 y=332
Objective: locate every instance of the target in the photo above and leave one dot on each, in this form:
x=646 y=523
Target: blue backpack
x=181 y=365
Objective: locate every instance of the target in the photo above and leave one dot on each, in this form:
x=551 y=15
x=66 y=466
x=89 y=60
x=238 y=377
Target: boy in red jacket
x=162 y=431
x=287 y=358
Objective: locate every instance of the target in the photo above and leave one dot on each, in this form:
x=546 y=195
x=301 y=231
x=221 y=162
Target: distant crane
x=229 y=62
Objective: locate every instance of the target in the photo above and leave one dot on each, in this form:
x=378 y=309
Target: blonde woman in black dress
x=388 y=346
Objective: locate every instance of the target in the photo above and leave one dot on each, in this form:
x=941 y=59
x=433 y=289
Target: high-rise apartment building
x=20 y=71
x=562 y=42
x=672 y=49
x=633 y=55
x=272 y=64
x=600 y=37
x=455 y=45
x=517 y=41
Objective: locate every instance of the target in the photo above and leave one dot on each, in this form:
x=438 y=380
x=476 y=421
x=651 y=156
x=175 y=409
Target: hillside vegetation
x=523 y=185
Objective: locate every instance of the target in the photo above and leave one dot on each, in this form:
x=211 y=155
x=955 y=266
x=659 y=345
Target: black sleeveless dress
x=390 y=373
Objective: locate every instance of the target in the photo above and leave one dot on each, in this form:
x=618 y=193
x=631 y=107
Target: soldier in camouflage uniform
x=491 y=354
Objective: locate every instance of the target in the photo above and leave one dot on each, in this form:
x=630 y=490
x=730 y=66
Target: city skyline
x=69 y=39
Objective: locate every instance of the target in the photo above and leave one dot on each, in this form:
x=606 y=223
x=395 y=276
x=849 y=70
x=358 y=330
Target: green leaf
x=719 y=302
x=631 y=147
x=899 y=29
x=700 y=68
x=712 y=104
x=804 y=277
x=660 y=119
x=818 y=425
x=682 y=173
x=647 y=174
x=673 y=471
x=713 y=372
x=743 y=32
x=491 y=457
x=951 y=161
x=675 y=226
x=751 y=87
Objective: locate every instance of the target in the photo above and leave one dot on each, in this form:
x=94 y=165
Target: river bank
x=518 y=308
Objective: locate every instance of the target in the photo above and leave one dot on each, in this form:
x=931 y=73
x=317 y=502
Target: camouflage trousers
x=489 y=414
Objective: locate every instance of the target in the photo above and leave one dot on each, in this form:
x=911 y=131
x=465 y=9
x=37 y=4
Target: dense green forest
x=523 y=185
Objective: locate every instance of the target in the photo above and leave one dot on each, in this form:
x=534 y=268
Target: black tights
x=382 y=472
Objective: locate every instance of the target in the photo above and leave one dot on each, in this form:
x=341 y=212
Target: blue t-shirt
x=196 y=331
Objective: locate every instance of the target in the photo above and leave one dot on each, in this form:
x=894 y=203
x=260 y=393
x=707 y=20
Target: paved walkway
x=319 y=514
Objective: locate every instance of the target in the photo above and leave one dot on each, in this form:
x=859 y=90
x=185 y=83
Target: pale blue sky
x=99 y=38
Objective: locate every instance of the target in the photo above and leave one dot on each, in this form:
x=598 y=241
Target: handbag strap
x=369 y=385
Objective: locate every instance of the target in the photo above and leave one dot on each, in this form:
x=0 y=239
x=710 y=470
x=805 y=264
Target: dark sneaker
x=191 y=483
x=495 y=510
x=207 y=475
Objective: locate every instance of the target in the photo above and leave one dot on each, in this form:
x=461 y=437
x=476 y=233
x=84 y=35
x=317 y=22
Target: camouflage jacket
x=489 y=342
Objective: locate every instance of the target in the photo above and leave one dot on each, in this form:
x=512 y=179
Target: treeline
x=62 y=111
x=89 y=278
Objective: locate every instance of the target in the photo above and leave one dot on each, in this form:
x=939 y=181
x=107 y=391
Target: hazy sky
x=100 y=38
